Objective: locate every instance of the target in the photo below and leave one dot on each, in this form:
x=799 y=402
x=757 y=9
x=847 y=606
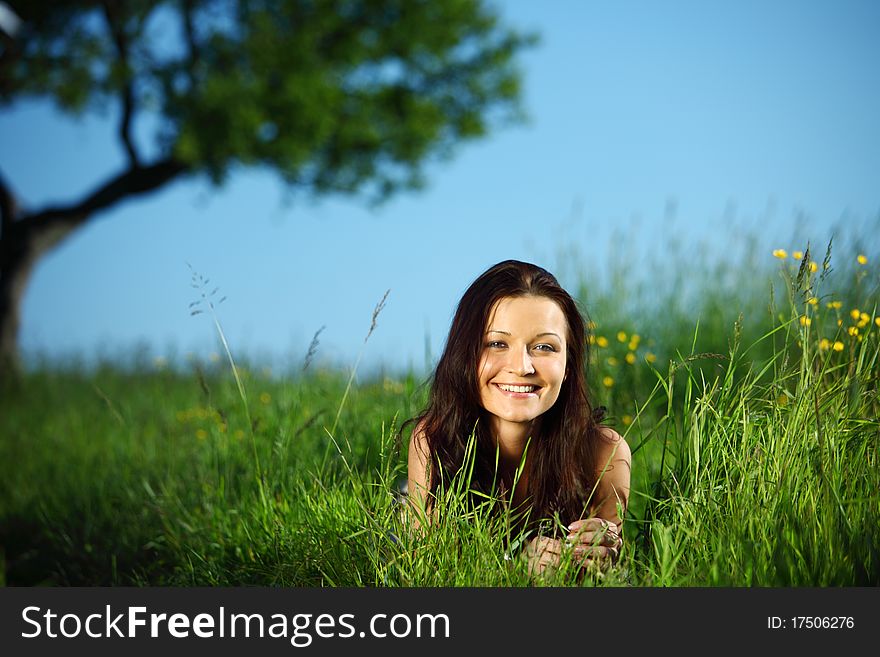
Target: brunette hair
x=564 y=453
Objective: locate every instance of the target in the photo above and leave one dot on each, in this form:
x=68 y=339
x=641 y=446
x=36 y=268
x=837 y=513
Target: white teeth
x=507 y=388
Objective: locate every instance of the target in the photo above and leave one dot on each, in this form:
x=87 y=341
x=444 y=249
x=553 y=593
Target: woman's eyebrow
x=540 y=335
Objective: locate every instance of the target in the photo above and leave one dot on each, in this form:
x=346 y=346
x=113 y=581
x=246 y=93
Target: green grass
x=755 y=459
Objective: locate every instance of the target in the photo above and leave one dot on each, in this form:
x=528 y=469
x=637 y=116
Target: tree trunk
x=20 y=247
x=25 y=239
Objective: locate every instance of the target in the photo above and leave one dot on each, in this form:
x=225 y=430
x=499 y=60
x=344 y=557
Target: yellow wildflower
x=591 y=339
x=812 y=301
x=837 y=346
x=877 y=321
x=839 y=322
x=813 y=267
x=834 y=304
x=853 y=330
x=780 y=253
x=608 y=382
x=650 y=357
x=797 y=255
x=824 y=344
x=865 y=317
x=627 y=420
x=635 y=337
x=861 y=259
x=855 y=314
x=621 y=336
x=602 y=341
x=806 y=321
x=630 y=358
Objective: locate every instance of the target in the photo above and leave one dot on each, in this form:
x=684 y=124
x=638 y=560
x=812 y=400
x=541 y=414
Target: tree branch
x=127 y=92
x=8 y=206
x=190 y=31
x=55 y=223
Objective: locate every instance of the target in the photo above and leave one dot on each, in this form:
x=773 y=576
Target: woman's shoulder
x=612 y=446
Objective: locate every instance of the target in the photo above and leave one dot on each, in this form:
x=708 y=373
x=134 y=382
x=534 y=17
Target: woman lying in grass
x=512 y=377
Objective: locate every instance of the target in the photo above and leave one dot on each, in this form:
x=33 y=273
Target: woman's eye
x=496 y=345
x=545 y=347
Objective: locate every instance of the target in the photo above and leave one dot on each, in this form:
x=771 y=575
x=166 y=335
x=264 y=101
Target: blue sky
x=745 y=113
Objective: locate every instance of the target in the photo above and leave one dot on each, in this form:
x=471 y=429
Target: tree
x=336 y=96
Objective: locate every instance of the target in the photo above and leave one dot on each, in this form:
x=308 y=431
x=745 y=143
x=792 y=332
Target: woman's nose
x=520 y=362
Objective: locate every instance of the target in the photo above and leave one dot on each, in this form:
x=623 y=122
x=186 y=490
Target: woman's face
x=522 y=366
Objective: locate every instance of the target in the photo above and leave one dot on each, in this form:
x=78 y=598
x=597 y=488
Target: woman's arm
x=599 y=538
x=418 y=484
x=614 y=468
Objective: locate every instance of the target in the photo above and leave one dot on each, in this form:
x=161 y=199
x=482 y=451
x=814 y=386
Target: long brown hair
x=563 y=456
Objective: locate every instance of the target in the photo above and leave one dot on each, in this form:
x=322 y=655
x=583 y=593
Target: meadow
x=747 y=390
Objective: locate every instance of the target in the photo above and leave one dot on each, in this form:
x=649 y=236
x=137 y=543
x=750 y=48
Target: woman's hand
x=543 y=553
x=594 y=540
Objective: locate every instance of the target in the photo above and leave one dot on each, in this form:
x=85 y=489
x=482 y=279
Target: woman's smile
x=522 y=365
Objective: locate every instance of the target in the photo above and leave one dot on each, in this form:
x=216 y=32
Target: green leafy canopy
x=335 y=95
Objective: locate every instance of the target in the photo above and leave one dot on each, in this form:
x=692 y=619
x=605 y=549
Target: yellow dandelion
x=627 y=420
x=853 y=330
x=607 y=382
x=780 y=253
x=813 y=301
x=650 y=357
x=621 y=336
x=632 y=346
x=635 y=337
x=862 y=259
x=865 y=317
x=839 y=322
x=814 y=267
x=834 y=304
x=806 y=321
x=602 y=341
x=877 y=321
x=265 y=397
x=797 y=255
x=855 y=314
x=824 y=344
x=201 y=434
x=837 y=346
x=612 y=361
x=630 y=358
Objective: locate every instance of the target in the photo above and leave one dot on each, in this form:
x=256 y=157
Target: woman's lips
x=518 y=391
